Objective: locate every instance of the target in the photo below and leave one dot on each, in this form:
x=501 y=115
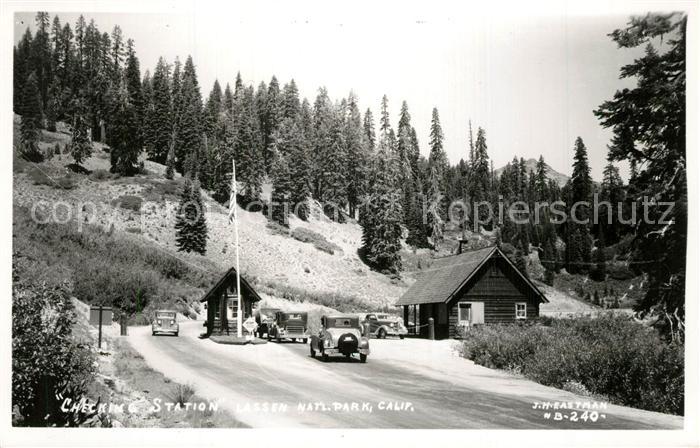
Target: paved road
x=250 y=380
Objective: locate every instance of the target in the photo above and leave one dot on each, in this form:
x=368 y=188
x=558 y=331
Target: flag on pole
x=232 y=218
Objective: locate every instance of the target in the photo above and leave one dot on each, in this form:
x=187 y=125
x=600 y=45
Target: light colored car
x=340 y=335
x=165 y=322
x=383 y=325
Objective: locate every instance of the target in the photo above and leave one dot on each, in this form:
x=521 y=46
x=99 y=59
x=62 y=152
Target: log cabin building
x=222 y=304
x=471 y=288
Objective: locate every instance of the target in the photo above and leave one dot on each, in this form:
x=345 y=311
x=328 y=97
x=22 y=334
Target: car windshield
x=165 y=315
x=382 y=316
x=341 y=323
x=294 y=316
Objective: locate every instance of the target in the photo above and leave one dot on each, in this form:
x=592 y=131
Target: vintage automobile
x=265 y=317
x=165 y=321
x=340 y=335
x=383 y=325
x=289 y=325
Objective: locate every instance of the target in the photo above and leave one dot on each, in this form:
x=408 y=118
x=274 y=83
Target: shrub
x=105 y=267
x=39 y=177
x=128 y=202
x=182 y=394
x=319 y=241
x=47 y=363
x=102 y=175
x=611 y=355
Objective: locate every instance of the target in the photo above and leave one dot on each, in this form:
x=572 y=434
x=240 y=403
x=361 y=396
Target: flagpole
x=234 y=193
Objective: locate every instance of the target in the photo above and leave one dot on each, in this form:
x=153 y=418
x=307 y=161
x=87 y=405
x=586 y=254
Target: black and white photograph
x=229 y=222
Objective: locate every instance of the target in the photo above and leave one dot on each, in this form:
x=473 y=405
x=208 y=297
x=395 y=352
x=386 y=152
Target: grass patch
x=39 y=177
x=610 y=356
x=161 y=191
x=319 y=241
x=128 y=202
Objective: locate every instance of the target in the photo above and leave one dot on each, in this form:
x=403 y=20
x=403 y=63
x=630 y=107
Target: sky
x=531 y=81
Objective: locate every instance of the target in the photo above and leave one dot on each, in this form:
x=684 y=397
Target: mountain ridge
x=531 y=165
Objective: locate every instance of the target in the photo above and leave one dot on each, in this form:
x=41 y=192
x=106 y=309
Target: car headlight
x=159 y=322
x=327 y=342
x=172 y=322
x=364 y=342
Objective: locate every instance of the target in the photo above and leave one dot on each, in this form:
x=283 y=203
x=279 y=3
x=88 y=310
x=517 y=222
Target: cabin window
x=464 y=312
x=217 y=312
x=521 y=310
x=495 y=272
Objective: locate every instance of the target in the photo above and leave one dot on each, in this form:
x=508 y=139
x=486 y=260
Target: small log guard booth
x=222 y=304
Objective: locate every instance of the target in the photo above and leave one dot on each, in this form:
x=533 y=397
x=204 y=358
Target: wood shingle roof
x=446 y=276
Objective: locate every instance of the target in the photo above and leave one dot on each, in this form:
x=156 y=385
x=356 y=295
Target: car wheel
x=304 y=341
x=400 y=336
x=381 y=334
x=363 y=358
x=177 y=333
x=153 y=333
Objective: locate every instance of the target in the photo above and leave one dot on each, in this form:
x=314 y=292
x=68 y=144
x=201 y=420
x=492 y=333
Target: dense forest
x=330 y=151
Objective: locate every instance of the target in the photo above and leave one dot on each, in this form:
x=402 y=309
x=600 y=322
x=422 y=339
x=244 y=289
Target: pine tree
x=281 y=189
x=190 y=221
x=132 y=74
x=578 y=242
x=290 y=101
x=123 y=132
x=160 y=114
x=368 y=125
x=521 y=260
x=41 y=57
x=170 y=163
x=189 y=131
x=80 y=144
x=541 y=181
x=437 y=158
x=356 y=155
x=323 y=118
x=480 y=184
x=382 y=214
x=228 y=99
x=212 y=110
x=248 y=148
x=31 y=120
x=273 y=114
x=435 y=208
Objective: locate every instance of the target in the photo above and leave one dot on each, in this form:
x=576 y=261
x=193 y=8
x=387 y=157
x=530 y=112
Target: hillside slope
x=277 y=261
x=315 y=260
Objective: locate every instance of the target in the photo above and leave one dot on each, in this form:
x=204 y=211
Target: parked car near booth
x=289 y=325
x=165 y=321
x=340 y=335
x=265 y=317
x=383 y=325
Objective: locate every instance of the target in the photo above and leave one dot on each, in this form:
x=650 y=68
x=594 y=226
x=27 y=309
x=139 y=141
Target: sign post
x=98 y=315
x=250 y=325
